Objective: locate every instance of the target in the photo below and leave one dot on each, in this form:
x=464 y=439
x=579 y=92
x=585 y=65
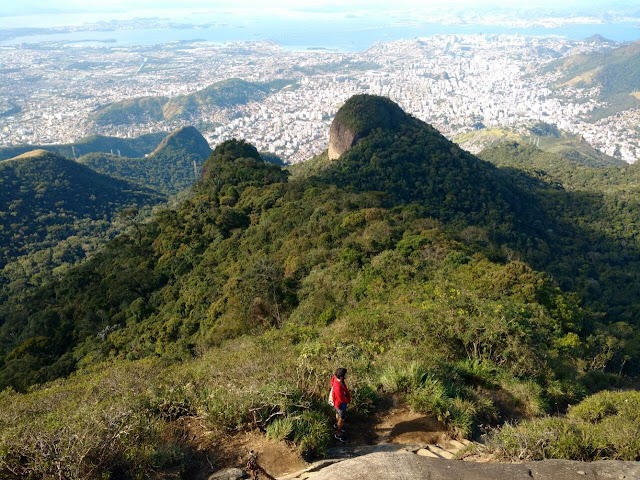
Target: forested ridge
x=127 y=147
x=171 y=167
x=616 y=72
x=46 y=199
x=478 y=293
x=231 y=92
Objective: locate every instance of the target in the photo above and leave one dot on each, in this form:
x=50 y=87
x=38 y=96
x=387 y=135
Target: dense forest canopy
x=46 y=198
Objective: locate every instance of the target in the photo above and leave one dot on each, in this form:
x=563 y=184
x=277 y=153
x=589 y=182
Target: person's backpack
x=330 y=400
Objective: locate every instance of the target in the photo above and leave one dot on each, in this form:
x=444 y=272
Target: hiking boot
x=340 y=438
x=342 y=430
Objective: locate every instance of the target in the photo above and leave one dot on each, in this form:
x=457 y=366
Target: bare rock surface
x=403 y=465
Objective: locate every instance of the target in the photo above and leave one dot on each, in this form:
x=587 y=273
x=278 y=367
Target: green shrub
x=606 y=404
x=461 y=409
x=174 y=402
x=486 y=410
x=461 y=417
x=226 y=409
x=363 y=399
x=477 y=372
x=311 y=433
x=250 y=407
x=85 y=443
x=613 y=438
x=527 y=395
x=561 y=393
x=597 y=380
x=280 y=429
x=539 y=439
x=431 y=398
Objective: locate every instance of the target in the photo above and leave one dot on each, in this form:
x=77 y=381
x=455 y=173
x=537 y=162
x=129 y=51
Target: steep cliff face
x=359 y=116
x=341 y=139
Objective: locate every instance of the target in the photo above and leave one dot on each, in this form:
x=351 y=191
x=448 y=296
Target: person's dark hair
x=341 y=372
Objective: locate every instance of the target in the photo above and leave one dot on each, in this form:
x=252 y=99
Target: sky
x=42 y=13
x=27 y=7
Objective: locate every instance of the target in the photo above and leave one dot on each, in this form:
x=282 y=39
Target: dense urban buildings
x=458 y=83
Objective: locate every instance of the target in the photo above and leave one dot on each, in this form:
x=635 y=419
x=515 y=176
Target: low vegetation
x=604 y=426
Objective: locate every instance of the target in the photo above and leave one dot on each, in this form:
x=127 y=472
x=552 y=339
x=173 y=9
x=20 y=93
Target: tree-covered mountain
x=546 y=137
x=477 y=293
x=174 y=165
x=53 y=212
x=227 y=93
x=127 y=147
x=615 y=71
x=43 y=195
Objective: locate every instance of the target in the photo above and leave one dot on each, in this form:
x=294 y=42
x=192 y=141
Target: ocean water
x=342 y=35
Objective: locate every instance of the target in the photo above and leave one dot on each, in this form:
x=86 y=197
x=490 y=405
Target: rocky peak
x=360 y=115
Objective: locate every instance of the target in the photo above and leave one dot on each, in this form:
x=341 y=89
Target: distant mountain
x=227 y=93
x=128 y=147
x=544 y=136
x=616 y=71
x=617 y=180
x=174 y=165
x=599 y=40
x=46 y=198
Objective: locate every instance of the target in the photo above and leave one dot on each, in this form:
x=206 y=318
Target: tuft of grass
x=460 y=409
x=431 y=398
x=311 y=433
x=562 y=393
x=477 y=372
x=527 y=394
x=461 y=417
x=280 y=429
x=403 y=379
x=363 y=399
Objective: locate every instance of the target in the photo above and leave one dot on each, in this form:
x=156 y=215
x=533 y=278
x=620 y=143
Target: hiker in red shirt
x=341 y=398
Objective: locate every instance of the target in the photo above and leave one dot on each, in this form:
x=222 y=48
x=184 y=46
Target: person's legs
x=340 y=416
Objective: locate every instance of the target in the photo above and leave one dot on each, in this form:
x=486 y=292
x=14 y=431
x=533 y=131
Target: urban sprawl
x=458 y=83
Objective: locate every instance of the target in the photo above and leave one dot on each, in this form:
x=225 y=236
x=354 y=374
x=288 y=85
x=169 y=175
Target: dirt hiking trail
x=396 y=429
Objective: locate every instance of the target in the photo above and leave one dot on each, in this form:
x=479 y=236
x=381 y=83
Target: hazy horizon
x=40 y=13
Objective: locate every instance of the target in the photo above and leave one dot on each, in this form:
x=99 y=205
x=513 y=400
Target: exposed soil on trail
x=275 y=457
x=401 y=425
x=211 y=450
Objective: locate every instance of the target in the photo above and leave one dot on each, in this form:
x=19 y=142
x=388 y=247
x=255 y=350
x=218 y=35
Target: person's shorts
x=342 y=411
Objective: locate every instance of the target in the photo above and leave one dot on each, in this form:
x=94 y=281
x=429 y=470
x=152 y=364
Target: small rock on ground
x=228 y=474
